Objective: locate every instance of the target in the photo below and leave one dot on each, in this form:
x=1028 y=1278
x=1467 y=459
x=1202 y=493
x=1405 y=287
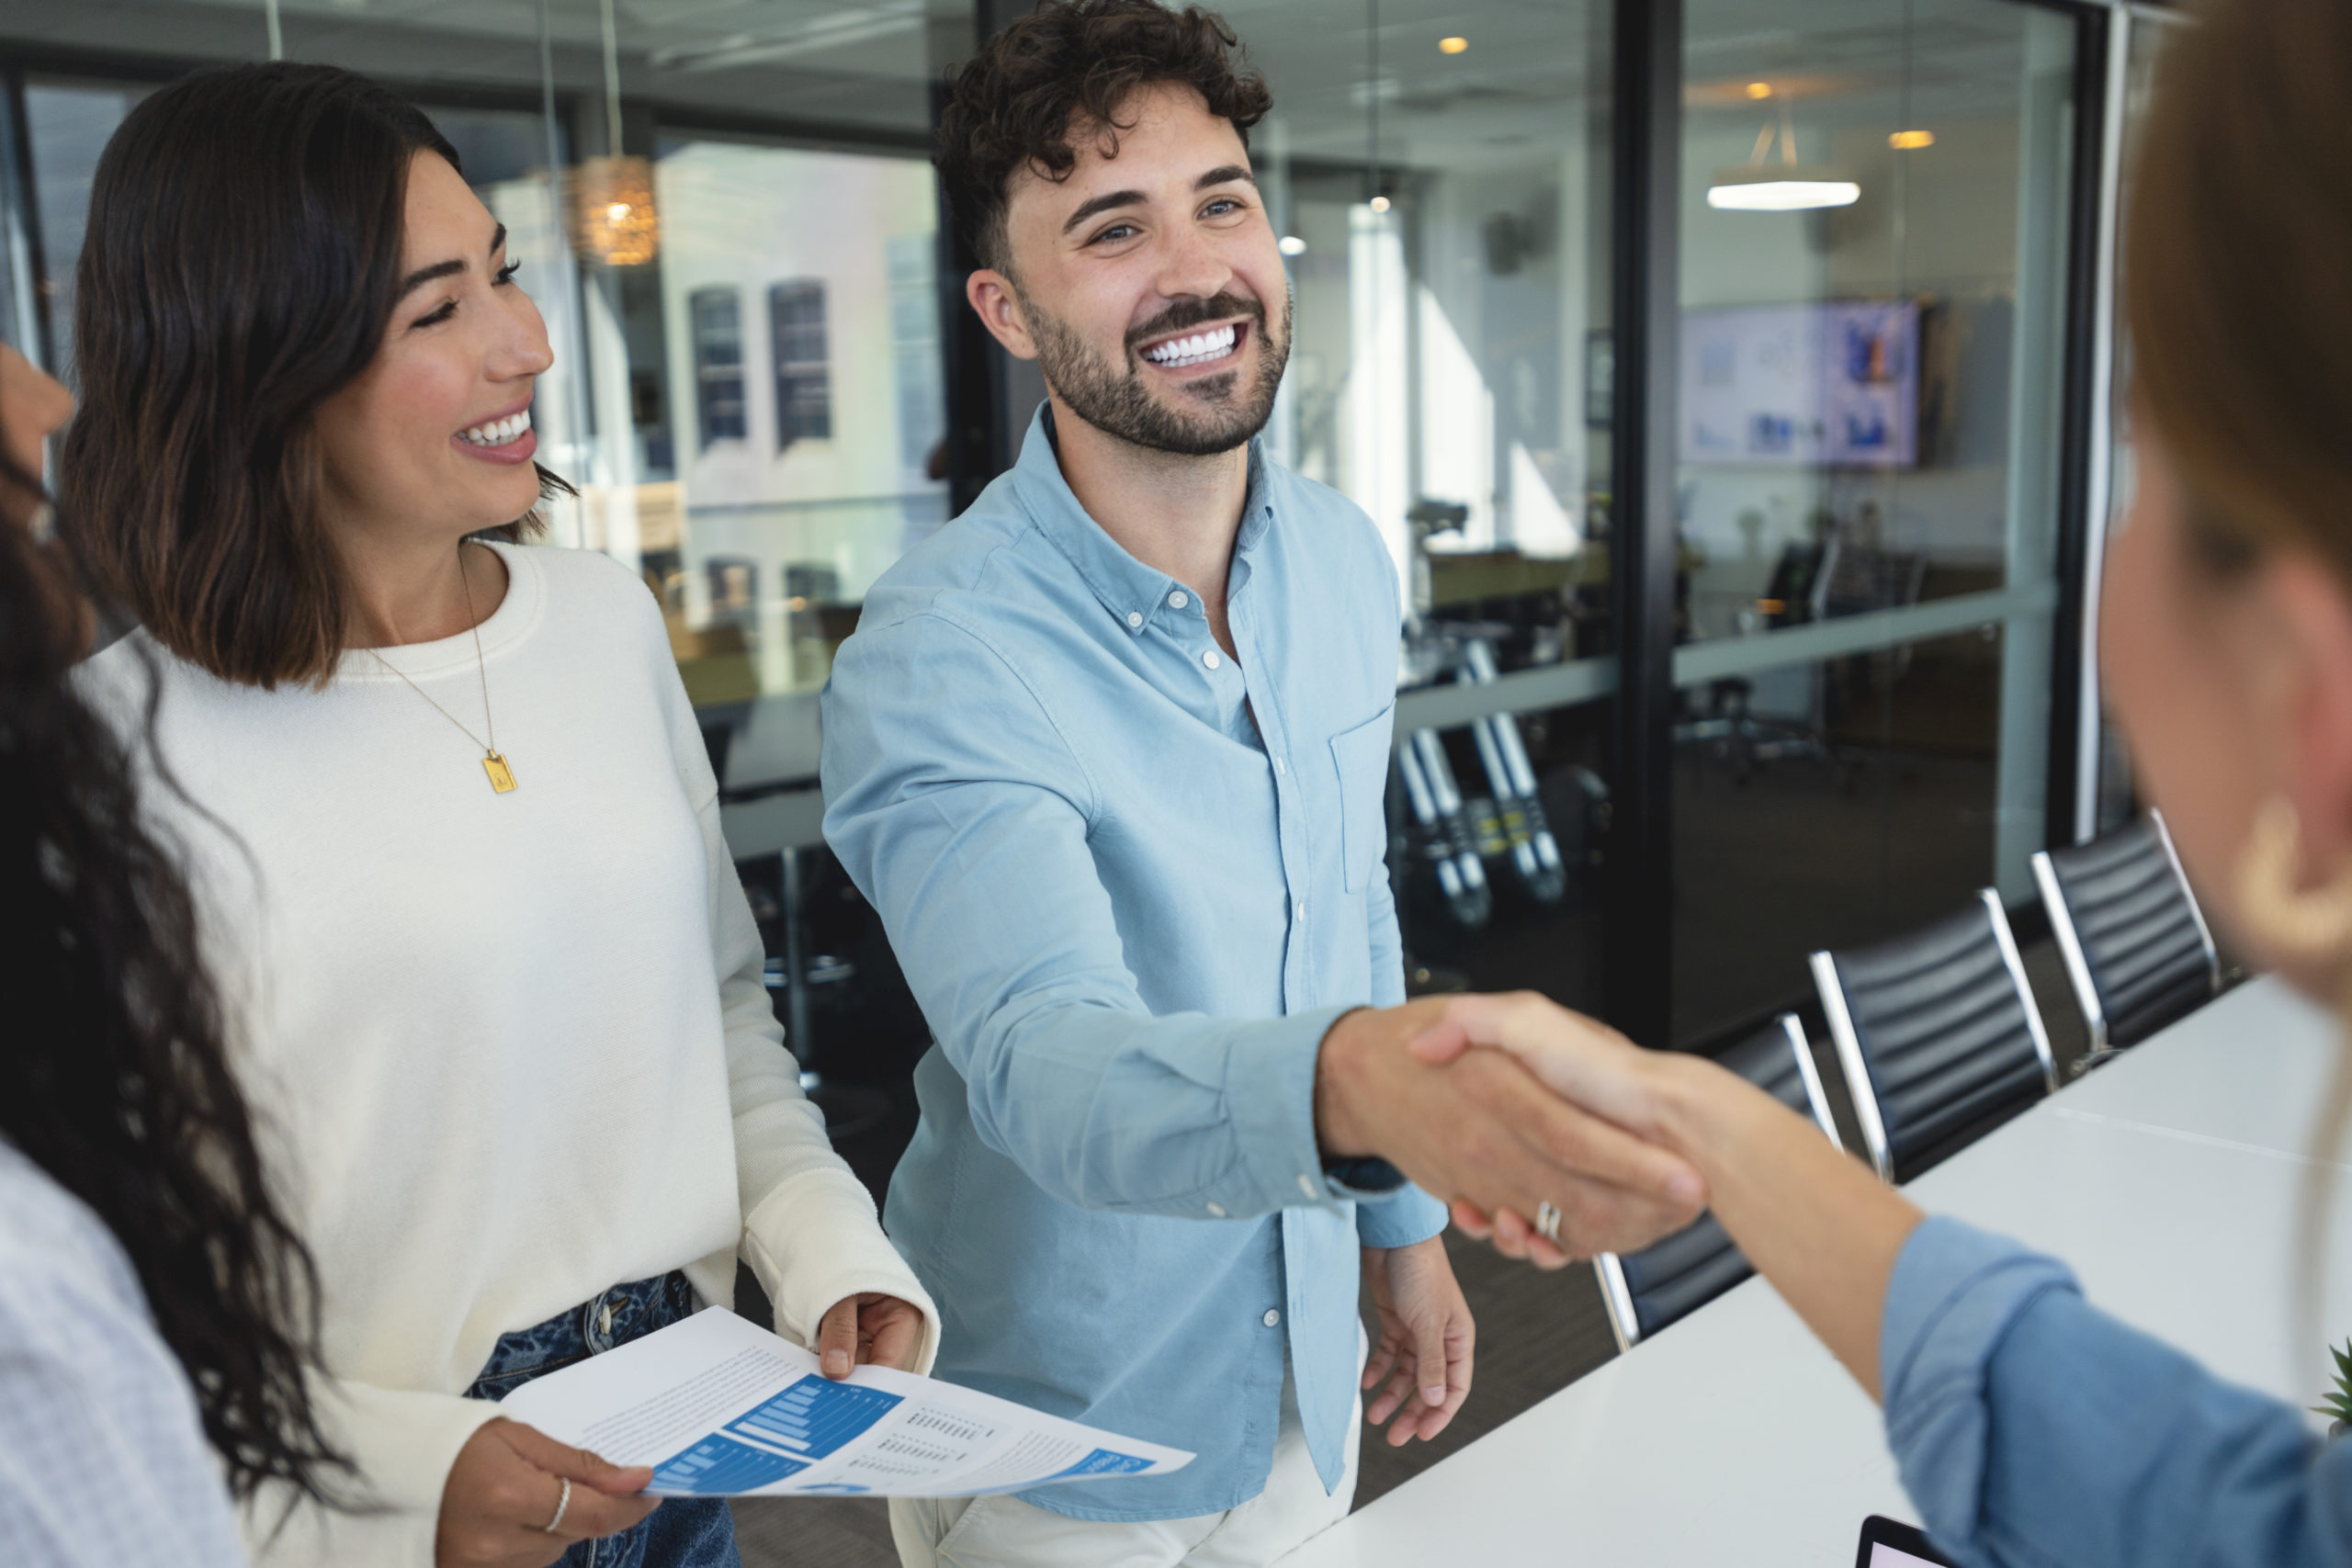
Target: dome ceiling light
x=1786 y=186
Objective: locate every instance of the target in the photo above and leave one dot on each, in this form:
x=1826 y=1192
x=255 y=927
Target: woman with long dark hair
x=153 y=1299
x=493 y=977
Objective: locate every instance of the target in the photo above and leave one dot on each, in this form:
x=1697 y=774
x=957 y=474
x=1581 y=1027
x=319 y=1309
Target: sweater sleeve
x=401 y=1444
x=810 y=1233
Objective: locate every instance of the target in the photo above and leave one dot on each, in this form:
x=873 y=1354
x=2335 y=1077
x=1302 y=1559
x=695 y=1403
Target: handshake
x=1544 y=1131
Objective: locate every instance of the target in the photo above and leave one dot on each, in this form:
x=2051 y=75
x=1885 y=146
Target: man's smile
x=1197 y=348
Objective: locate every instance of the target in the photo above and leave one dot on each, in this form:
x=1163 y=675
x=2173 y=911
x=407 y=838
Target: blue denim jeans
x=684 y=1532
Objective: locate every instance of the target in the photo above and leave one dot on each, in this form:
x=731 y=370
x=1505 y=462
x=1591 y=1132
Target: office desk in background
x=2169 y=1179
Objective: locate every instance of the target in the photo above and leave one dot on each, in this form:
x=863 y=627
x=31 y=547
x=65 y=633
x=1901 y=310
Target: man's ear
x=999 y=308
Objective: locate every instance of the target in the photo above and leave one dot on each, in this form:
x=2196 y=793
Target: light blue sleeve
x=2034 y=1431
x=103 y=1461
x=961 y=813
x=1406 y=1214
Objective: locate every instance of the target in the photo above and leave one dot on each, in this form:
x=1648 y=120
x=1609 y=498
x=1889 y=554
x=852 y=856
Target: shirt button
x=1302 y=908
x=1272 y=1317
x=1211 y=660
x=1216 y=1210
x=1306 y=1185
x=1135 y=617
x=1177 y=601
x=1281 y=766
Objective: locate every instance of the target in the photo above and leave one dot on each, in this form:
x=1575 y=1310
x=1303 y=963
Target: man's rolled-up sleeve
x=959 y=809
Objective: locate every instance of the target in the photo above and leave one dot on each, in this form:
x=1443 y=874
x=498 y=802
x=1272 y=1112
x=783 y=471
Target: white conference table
x=2168 y=1180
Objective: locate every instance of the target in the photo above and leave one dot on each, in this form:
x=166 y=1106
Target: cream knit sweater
x=510 y=1049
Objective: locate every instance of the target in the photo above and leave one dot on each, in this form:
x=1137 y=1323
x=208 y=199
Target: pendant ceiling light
x=1786 y=187
x=613 y=215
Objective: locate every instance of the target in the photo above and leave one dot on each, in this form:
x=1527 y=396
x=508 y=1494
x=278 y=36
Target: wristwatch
x=1363 y=1177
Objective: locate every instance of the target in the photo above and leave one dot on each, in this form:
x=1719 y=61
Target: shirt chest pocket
x=1361 y=755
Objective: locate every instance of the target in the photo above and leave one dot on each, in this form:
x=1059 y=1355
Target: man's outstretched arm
x=963 y=815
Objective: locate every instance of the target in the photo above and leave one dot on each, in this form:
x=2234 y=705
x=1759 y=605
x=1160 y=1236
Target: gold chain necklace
x=493 y=761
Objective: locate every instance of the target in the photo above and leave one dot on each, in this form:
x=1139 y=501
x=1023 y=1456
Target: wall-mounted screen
x=1834 y=384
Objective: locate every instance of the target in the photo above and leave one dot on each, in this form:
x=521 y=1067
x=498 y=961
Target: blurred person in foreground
x=2032 y=1429
x=154 y=1303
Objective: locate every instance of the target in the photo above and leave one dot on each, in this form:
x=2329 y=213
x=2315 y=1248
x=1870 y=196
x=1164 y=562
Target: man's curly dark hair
x=1071 y=65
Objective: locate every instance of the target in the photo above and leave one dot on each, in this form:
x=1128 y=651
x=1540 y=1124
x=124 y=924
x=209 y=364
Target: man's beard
x=1223 y=412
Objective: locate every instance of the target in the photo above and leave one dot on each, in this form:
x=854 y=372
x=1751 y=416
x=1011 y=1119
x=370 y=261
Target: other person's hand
x=871 y=1329
x=1583 y=1061
x=1479 y=1128
x=505 y=1487
x=1426 y=1341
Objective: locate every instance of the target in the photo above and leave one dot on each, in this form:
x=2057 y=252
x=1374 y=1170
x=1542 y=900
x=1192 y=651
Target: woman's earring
x=42 y=525
x=2288 y=922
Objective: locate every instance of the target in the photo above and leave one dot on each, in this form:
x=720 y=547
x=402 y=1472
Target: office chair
x=2135 y=945
x=1937 y=1036
x=1670 y=1280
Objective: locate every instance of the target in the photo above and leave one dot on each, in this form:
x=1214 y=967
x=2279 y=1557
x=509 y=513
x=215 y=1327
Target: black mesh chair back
x=1937 y=1036
x=2134 y=942
x=1669 y=1279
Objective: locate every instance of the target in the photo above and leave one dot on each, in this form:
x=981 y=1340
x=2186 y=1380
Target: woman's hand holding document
x=717 y=1407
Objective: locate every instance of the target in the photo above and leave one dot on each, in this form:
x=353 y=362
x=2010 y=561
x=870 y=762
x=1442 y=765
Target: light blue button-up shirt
x=1132 y=882
x=2036 y=1432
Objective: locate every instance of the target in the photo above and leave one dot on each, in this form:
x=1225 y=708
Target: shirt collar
x=1132 y=591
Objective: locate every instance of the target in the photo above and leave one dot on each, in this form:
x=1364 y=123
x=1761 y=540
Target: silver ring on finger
x=1547 y=1222
x=561 y=1504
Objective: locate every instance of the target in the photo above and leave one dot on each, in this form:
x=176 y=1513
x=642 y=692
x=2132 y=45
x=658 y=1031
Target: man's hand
x=505 y=1487
x=1426 y=1340
x=1583 y=1061
x=871 y=1329
x=1477 y=1127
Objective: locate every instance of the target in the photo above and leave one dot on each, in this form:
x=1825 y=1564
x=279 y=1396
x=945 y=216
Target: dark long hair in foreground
x=114 y=1076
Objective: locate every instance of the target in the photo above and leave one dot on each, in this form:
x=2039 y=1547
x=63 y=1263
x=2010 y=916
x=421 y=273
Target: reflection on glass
x=66 y=126
x=2116 y=800
x=1867 y=482
x=747 y=389
x=803 y=456
x=1439 y=186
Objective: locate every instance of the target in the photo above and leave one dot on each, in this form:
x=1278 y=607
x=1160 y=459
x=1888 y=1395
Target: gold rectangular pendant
x=501 y=777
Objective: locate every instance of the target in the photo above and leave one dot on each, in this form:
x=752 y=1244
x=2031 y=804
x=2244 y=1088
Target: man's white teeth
x=1214 y=343
x=498 y=432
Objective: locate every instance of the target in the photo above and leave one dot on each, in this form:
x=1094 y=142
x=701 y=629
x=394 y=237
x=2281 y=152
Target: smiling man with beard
x=1108 y=755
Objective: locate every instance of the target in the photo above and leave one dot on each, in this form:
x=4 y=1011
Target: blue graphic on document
x=810 y=1420
x=718 y=1467
x=1104 y=1462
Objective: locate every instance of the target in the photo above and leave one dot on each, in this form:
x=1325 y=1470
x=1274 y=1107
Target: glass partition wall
x=1440 y=175
x=765 y=390
x=1875 y=214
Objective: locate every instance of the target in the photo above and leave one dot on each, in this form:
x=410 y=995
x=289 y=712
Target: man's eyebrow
x=423 y=276
x=1223 y=175
x=1101 y=204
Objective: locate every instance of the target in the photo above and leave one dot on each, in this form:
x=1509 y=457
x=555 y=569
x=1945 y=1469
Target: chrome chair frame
x=1849 y=1046
x=1616 y=1293
x=2070 y=943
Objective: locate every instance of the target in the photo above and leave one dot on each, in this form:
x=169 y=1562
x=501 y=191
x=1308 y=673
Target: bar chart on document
x=808 y=1421
x=717 y=1407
